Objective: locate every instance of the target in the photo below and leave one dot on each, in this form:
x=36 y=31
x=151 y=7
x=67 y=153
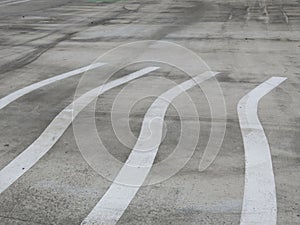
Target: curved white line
x=13 y=3
x=132 y=175
x=21 y=92
x=33 y=153
x=259 y=204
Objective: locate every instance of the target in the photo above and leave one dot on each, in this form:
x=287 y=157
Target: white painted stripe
x=13 y=3
x=6 y=1
x=259 y=204
x=132 y=175
x=32 y=154
x=21 y=92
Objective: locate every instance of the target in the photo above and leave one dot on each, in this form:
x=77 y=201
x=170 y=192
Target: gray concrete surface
x=246 y=41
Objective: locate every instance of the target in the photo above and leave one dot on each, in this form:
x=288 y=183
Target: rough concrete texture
x=246 y=41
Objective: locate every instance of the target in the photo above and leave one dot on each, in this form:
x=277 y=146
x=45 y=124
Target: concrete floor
x=246 y=41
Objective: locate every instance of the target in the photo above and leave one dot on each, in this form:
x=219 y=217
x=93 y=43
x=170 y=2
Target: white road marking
x=13 y=3
x=6 y=1
x=33 y=153
x=259 y=204
x=21 y=92
x=132 y=175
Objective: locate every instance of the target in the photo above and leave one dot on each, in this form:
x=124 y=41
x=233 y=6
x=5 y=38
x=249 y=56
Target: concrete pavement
x=247 y=42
